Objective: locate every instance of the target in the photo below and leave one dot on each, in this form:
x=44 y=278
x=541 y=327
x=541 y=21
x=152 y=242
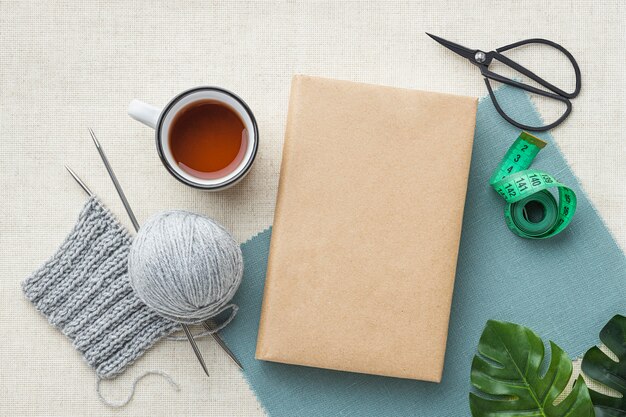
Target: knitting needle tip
x=210 y=327
x=79 y=181
x=93 y=136
x=116 y=183
x=194 y=346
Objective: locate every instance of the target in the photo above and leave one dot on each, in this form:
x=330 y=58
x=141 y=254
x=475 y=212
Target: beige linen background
x=66 y=66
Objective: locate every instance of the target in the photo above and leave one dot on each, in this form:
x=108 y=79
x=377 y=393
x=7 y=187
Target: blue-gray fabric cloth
x=565 y=288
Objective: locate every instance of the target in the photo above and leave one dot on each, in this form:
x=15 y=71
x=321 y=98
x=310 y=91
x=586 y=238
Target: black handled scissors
x=483 y=59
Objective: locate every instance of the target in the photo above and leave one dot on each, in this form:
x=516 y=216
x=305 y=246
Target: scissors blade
x=461 y=50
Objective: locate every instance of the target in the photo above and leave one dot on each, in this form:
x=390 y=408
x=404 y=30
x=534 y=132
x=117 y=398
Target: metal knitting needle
x=133 y=219
x=185 y=328
x=207 y=325
x=118 y=186
x=210 y=327
x=79 y=181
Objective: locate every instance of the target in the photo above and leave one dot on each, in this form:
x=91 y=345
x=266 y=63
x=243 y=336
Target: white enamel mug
x=161 y=119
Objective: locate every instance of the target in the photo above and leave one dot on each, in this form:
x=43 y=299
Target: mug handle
x=144 y=113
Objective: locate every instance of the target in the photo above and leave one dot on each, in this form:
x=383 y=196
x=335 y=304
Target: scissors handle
x=525 y=71
x=490 y=75
x=552 y=92
x=522 y=126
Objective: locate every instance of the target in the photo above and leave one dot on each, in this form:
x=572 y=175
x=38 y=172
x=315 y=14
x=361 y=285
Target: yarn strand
x=132 y=390
x=205 y=333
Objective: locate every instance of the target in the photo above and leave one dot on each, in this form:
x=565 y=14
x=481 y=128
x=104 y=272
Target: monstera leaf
x=507 y=374
x=597 y=365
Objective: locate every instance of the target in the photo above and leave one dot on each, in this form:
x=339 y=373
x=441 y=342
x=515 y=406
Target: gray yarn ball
x=184 y=266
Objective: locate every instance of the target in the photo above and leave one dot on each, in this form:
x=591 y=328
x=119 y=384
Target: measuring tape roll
x=526 y=191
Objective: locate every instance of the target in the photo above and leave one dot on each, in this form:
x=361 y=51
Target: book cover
x=367 y=227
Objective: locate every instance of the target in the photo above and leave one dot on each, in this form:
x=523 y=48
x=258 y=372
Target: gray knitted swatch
x=85 y=292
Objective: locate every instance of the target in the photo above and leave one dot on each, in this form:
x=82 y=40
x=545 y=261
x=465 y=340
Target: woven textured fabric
x=85 y=292
x=565 y=288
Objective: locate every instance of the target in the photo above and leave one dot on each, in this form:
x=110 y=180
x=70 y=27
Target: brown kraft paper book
x=367 y=227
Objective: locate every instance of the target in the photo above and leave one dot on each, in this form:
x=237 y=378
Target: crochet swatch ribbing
x=85 y=292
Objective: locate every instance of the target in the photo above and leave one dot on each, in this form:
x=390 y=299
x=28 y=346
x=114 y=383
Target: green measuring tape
x=531 y=211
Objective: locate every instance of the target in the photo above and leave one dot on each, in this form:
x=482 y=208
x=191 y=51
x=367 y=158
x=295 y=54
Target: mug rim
x=173 y=172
